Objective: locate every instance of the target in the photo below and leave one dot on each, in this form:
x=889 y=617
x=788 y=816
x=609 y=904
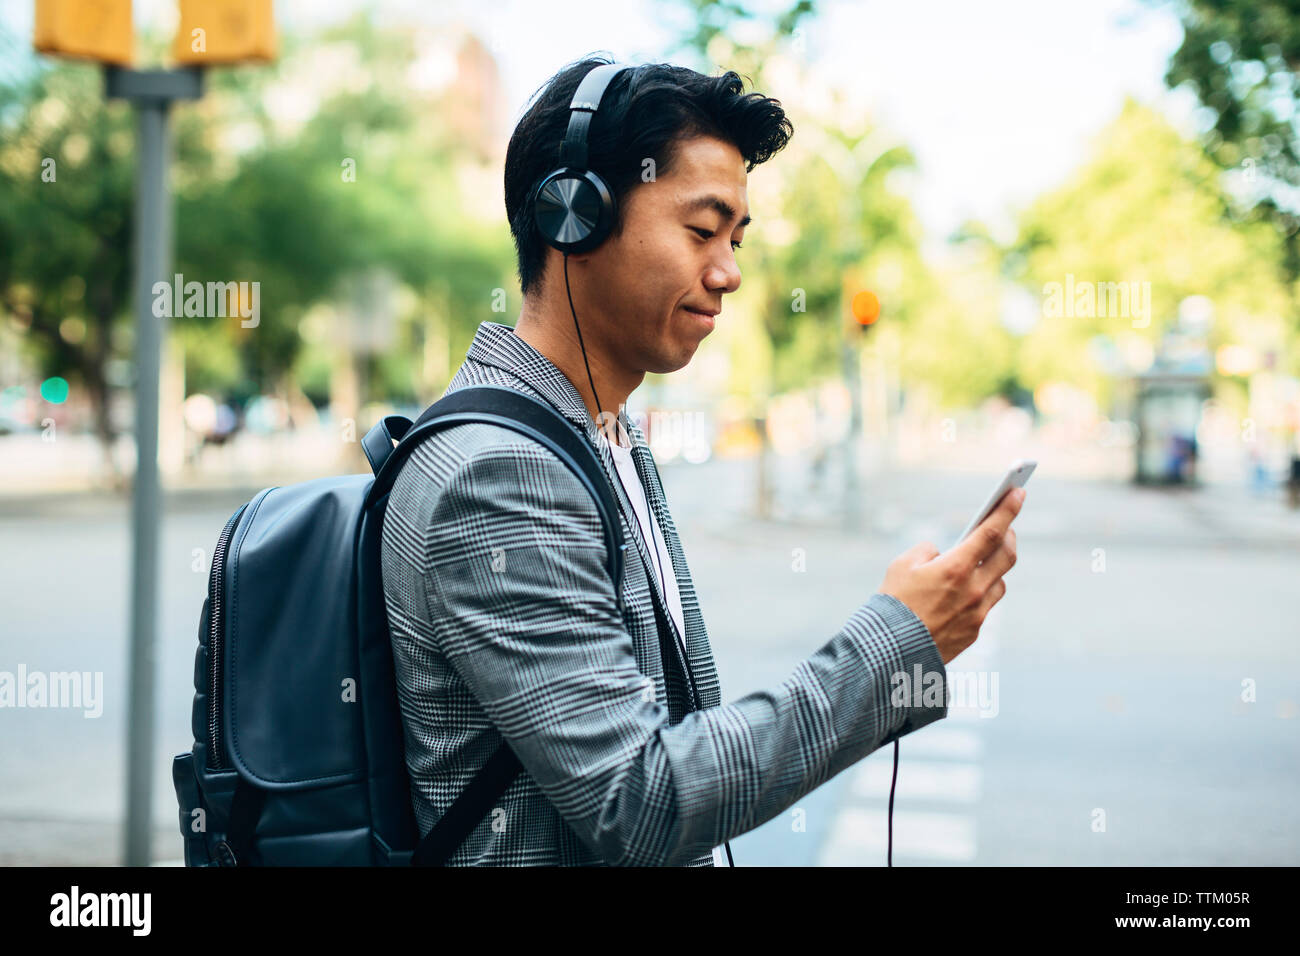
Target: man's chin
x=665 y=365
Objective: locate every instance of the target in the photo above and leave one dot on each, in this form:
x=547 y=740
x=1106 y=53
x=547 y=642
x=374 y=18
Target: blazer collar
x=497 y=345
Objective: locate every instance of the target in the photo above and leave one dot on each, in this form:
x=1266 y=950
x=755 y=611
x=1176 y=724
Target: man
x=504 y=620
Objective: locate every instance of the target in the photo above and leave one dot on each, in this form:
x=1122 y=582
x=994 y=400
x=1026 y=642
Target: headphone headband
x=573 y=208
x=586 y=100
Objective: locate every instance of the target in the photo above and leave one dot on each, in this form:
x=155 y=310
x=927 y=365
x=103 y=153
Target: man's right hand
x=953 y=593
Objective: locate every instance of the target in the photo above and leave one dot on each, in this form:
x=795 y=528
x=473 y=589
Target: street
x=1112 y=729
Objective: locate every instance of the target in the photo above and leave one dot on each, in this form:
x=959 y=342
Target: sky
x=999 y=100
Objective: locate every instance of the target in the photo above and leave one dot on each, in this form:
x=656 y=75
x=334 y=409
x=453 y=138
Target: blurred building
x=455 y=77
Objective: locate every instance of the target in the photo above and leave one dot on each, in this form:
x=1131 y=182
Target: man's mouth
x=707 y=318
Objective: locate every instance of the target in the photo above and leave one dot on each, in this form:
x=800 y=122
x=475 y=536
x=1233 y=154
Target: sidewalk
x=1075 y=492
x=64 y=842
x=926 y=502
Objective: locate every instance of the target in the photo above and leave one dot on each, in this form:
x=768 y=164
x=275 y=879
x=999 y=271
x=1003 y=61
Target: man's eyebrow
x=719 y=205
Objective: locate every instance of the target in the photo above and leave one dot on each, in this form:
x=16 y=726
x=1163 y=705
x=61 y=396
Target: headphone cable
x=653 y=544
x=890 y=853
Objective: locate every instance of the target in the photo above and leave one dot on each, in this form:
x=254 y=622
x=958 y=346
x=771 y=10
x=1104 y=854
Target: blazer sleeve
x=523 y=607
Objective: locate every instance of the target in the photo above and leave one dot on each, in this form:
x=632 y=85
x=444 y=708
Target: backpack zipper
x=216 y=591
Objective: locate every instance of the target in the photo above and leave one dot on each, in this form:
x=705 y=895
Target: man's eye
x=705 y=234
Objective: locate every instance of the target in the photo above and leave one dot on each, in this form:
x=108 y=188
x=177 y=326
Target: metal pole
x=853 y=378
x=152 y=244
x=151 y=93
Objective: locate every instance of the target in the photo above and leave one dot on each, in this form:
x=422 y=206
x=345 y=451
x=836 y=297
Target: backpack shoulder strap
x=495 y=405
x=539 y=421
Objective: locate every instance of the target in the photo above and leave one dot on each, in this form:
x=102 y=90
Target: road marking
x=948 y=772
x=923 y=780
x=937 y=740
x=859 y=837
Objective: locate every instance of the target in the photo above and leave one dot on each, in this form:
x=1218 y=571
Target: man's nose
x=723 y=276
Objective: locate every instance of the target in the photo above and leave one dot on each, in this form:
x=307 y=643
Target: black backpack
x=298 y=755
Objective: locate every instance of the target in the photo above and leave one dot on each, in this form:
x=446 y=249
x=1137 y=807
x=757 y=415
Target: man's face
x=674 y=254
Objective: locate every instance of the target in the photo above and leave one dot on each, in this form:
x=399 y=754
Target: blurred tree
x=66 y=187
x=366 y=179
x=838 y=199
x=839 y=206
x=1159 y=222
x=958 y=320
x=710 y=19
x=297 y=176
x=1242 y=59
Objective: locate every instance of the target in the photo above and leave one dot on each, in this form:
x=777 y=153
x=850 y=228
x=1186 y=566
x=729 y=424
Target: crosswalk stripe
x=923 y=780
x=859 y=836
x=949 y=772
x=936 y=740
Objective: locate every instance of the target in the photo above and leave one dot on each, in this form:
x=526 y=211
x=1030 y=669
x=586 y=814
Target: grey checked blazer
x=504 y=623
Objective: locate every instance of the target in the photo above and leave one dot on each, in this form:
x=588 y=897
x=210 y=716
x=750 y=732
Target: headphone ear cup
x=573 y=209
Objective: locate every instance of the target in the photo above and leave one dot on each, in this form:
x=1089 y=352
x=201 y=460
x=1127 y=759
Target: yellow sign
x=224 y=31
x=95 y=29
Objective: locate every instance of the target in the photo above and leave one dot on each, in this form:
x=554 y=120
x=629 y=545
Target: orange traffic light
x=866 y=307
x=93 y=29
x=224 y=31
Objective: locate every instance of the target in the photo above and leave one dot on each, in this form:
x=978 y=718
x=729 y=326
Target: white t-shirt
x=636 y=491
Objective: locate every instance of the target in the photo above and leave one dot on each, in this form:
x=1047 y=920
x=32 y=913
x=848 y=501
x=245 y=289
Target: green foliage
x=710 y=19
x=1147 y=207
x=1241 y=58
x=66 y=186
x=840 y=215
x=297 y=176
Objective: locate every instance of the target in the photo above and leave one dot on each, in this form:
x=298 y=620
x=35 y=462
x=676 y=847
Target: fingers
x=915 y=555
x=993 y=596
x=923 y=552
x=988 y=536
x=998 y=563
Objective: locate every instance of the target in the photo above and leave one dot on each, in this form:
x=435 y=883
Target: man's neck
x=557 y=339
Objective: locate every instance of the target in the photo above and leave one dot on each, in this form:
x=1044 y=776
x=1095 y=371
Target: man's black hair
x=646 y=112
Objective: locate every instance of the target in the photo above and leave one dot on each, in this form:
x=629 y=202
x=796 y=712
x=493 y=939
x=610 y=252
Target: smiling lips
x=707 y=319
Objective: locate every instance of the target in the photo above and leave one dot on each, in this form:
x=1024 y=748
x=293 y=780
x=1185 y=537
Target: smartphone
x=1015 y=477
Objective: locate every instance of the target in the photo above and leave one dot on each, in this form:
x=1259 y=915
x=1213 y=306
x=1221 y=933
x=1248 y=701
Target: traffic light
x=866 y=308
x=94 y=29
x=861 y=305
x=224 y=31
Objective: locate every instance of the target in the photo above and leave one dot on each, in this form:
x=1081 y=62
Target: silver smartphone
x=1015 y=477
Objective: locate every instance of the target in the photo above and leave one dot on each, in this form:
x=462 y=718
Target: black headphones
x=574 y=211
x=573 y=207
